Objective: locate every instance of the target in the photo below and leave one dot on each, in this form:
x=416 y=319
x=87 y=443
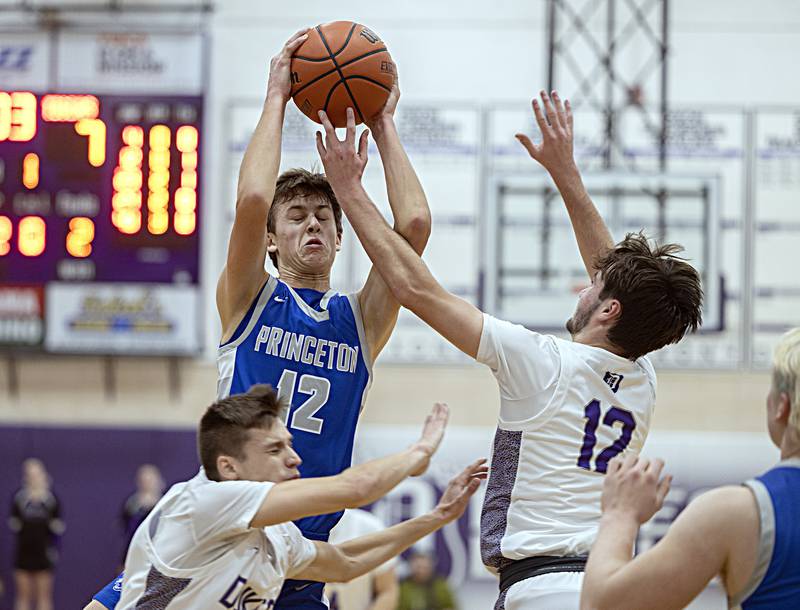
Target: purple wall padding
x=93 y=473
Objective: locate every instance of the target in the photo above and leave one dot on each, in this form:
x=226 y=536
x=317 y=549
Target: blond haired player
x=749 y=535
x=566 y=407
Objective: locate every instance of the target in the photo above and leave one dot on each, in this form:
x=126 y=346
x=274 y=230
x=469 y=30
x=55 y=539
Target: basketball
x=342 y=64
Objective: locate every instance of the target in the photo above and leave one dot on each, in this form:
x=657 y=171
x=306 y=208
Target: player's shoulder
x=722 y=508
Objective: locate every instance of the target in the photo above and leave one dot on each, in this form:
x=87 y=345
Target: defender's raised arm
x=556 y=156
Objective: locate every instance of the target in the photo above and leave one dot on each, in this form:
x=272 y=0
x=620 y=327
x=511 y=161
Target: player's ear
x=227 y=468
x=338 y=241
x=784 y=408
x=611 y=310
x=272 y=245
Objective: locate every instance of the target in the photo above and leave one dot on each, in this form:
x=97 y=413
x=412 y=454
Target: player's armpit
x=696 y=548
x=95 y=605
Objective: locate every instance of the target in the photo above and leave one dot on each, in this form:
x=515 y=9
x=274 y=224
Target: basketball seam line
x=341 y=75
x=371 y=80
x=326 y=58
x=344 y=65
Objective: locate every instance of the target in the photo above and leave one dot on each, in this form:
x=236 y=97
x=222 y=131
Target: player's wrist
x=381 y=125
x=275 y=99
x=621 y=515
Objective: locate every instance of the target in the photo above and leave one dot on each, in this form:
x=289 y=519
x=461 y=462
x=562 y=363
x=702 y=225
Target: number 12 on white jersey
x=592 y=413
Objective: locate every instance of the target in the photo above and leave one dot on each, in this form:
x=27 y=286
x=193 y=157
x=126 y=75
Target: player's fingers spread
x=655 y=468
x=550 y=112
x=614 y=465
x=295 y=43
x=320 y=145
x=351 y=126
x=560 y=114
x=526 y=143
x=330 y=133
x=568 y=113
x=540 y=119
x=363 y=144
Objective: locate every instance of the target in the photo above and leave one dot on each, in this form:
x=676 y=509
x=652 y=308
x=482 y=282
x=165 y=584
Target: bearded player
x=566 y=407
x=314 y=345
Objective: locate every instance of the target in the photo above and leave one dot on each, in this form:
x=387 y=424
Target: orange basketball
x=342 y=64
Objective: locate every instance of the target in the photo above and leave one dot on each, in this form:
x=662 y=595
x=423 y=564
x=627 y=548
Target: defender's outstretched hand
x=555 y=123
x=343 y=164
x=454 y=501
x=633 y=486
x=432 y=433
x=280 y=76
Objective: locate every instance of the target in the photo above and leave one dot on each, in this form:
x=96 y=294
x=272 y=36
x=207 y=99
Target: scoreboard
x=99 y=188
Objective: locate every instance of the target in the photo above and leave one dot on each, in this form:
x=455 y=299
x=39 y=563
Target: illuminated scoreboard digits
x=99 y=188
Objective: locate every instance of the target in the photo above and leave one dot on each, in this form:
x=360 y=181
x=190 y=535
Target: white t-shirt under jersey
x=196 y=551
x=566 y=409
x=359 y=592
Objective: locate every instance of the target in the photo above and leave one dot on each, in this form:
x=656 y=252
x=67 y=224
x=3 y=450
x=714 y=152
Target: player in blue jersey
x=748 y=535
x=293 y=331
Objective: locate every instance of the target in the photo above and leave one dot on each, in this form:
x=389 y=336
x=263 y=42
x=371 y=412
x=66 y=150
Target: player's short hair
x=300 y=182
x=223 y=427
x=786 y=372
x=661 y=294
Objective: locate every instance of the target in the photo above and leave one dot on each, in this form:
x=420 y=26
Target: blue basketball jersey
x=775 y=584
x=310 y=347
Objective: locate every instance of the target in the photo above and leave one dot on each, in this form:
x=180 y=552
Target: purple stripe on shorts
x=494 y=516
x=500 y=604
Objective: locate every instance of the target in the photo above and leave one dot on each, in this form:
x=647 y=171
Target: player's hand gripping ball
x=342 y=64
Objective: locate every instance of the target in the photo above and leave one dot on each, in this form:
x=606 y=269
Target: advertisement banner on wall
x=698 y=462
x=124 y=319
x=24 y=60
x=21 y=315
x=126 y=62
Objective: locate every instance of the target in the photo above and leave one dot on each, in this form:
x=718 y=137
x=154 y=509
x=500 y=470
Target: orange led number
x=186 y=139
x=17 y=116
x=69 y=108
x=95 y=130
x=31 y=236
x=30 y=171
x=158 y=180
x=126 y=203
x=5 y=235
x=80 y=237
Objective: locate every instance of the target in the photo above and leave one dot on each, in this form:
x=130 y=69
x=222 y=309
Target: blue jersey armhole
x=243 y=322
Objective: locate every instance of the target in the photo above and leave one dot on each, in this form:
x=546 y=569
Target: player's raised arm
x=556 y=155
x=401 y=267
x=412 y=220
x=351 y=559
x=357 y=486
x=699 y=545
x=244 y=271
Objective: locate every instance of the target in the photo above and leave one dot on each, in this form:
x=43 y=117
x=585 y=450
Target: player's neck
x=594 y=338
x=790 y=445
x=303 y=279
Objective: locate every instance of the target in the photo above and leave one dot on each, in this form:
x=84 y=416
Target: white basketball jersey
x=196 y=551
x=566 y=410
x=359 y=592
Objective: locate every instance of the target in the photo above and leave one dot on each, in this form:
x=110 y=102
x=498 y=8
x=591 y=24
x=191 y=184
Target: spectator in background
x=36 y=520
x=423 y=589
x=149 y=489
x=376 y=590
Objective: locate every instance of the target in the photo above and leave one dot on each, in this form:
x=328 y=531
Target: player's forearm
x=604 y=581
x=591 y=232
x=366 y=553
x=262 y=159
x=412 y=216
x=402 y=269
x=368 y=482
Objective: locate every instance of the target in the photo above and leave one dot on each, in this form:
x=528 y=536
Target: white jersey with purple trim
x=196 y=550
x=566 y=410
